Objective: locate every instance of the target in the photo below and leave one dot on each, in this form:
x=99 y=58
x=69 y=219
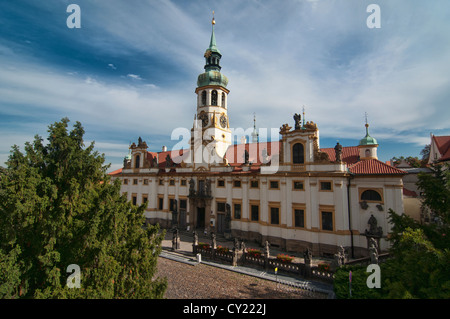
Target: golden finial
x=213 y=21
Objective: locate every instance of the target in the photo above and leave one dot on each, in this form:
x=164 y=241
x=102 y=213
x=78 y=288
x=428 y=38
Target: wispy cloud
x=134 y=76
x=319 y=54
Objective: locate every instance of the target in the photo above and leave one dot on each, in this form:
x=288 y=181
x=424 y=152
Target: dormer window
x=298 y=156
x=137 y=161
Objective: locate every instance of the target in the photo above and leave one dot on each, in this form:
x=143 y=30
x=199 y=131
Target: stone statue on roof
x=297 y=119
x=338 y=151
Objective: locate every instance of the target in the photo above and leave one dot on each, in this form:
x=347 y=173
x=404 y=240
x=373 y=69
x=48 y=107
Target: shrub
x=285 y=258
x=203 y=245
x=254 y=252
x=221 y=249
x=323 y=267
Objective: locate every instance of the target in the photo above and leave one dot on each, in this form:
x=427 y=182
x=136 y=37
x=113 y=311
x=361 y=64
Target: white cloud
x=134 y=76
x=277 y=57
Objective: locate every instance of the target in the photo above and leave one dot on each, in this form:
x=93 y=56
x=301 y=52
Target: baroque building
x=290 y=192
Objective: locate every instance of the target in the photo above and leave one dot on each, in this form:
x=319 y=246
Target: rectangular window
x=183 y=203
x=275 y=215
x=325 y=186
x=237 y=211
x=145 y=181
x=327 y=221
x=299 y=218
x=172 y=204
x=144 y=198
x=254 y=212
x=297 y=185
x=220 y=207
x=274 y=185
x=254 y=184
x=135 y=181
x=172 y=182
x=183 y=182
x=161 y=182
x=160 y=203
x=125 y=181
x=220 y=183
x=237 y=183
x=134 y=199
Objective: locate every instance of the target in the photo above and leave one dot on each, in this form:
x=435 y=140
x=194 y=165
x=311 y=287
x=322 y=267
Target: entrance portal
x=220 y=223
x=200 y=217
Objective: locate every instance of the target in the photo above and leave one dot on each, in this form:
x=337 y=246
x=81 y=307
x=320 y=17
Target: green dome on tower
x=368 y=140
x=212 y=75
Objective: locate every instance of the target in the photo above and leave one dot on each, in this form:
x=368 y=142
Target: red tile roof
x=177 y=156
x=235 y=157
x=374 y=167
x=443 y=144
x=350 y=154
x=235 y=153
x=117 y=171
x=409 y=193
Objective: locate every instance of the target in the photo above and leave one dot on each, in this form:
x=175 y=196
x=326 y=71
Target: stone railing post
x=266 y=255
x=307 y=255
x=195 y=243
x=213 y=246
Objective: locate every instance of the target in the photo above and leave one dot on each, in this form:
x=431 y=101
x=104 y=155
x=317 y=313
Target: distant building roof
x=443 y=145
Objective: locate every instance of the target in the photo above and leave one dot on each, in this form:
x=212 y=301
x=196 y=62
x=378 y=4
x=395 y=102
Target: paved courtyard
x=188 y=279
x=207 y=282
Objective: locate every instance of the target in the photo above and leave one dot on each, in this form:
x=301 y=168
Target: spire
x=303 y=115
x=367 y=140
x=255 y=135
x=367 y=126
x=212 y=43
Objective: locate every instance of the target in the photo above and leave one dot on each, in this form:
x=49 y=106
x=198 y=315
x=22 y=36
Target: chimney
x=164 y=148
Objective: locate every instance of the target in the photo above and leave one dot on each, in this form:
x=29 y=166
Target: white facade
x=289 y=192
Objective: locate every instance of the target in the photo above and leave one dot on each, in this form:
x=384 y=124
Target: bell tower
x=368 y=145
x=212 y=105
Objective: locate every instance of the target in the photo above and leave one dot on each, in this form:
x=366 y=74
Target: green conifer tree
x=59 y=207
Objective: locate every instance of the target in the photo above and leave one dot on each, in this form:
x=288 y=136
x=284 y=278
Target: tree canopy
x=59 y=207
x=420 y=251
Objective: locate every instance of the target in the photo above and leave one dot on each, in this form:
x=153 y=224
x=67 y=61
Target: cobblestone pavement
x=206 y=282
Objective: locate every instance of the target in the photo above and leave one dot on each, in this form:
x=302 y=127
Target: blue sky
x=131 y=69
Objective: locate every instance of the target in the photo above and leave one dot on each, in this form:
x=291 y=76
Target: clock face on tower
x=223 y=120
x=204 y=118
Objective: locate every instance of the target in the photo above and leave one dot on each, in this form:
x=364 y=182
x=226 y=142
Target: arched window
x=204 y=98
x=214 y=97
x=137 y=161
x=223 y=99
x=371 y=195
x=298 y=156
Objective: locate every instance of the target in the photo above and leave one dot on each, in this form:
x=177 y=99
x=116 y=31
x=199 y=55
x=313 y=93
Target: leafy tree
x=59 y=207
x=412 y=161
x=421 y=252
x=425 y=152
x=435 y=189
